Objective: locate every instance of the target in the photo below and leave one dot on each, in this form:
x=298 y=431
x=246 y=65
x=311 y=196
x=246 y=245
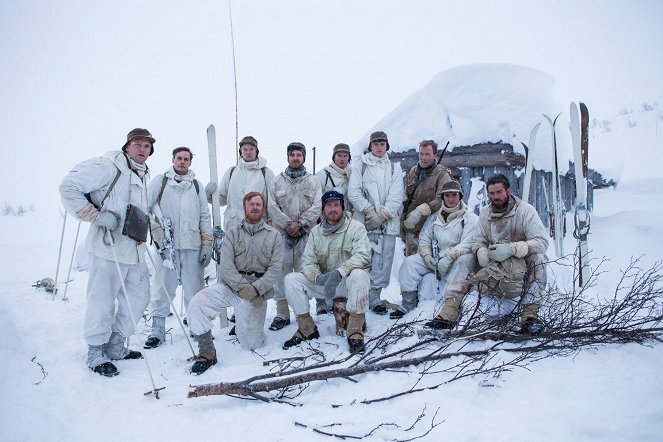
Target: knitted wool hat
x=139 y=133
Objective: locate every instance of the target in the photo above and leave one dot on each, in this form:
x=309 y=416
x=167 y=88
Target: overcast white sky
x=78 y=75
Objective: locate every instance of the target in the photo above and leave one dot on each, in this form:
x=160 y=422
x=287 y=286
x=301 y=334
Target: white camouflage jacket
x=458 y=232
x=294 y=200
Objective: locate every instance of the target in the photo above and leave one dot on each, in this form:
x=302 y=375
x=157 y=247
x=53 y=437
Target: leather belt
x=256 y=274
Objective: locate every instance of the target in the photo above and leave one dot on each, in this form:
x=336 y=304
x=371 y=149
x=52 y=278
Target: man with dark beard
x=423 y=190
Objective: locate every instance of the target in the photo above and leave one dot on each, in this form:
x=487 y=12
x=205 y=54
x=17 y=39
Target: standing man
x=110 y=192
x=376 y=193
x=251 y=261
x=176 y=195
x=510 y=248
x=335 y=177
x=294 y=207
x=250 y=175
x=445 y=251
x=334 y=267
x=423 y=191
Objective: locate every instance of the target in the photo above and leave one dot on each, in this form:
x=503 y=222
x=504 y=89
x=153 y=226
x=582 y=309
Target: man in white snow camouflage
x=335 y=176
x=100 y=191
x=510 y=248
x=250 y=175
x=250 y=265
x=376 y=193
x=176 y=195
x=445 y=251
x=334 y=267
x=294 y=208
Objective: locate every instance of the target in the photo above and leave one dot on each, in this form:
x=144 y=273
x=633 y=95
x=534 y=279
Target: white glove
x=430 y=262
x=107 y=219
x=482 y=257
x=371 y=218
x=210 y=188
x=158 y=234
x=444 y=264
x=500 y=252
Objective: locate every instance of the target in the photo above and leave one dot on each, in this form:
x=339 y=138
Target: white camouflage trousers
x=249 y=319
x=104 y=290
x=193 y=281
x=354 y=287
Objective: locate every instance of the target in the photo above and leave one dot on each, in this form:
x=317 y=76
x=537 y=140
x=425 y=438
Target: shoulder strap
x=163 y=186
x=329 y=177
x=231 y=173
x=112 y=184
x=197 y=186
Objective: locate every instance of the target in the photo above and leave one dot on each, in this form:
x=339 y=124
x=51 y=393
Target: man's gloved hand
x=331 y=284
x=500 y=252
x=210 y=188
x=444 y=264
x=415 y=216
x=247 y=292
x=482 y=257
x=157 y=233
x=430 y=262
x=107 y=219
x=205 y=256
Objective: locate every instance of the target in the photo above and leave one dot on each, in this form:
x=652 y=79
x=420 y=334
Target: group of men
x=291 y=237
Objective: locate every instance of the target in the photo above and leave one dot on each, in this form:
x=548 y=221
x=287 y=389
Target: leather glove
x=107 y=219
x=482 y=257
x=205 y=256
x=247 y=292
x=158 y=235
x=415 y=216
x=331 y=284
x=444 y=264
x=210 y=188
x=500 y=252
x=430 y=262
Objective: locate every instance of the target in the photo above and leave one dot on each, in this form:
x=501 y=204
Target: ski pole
x=57 y=268
x=71 y=262
x=154 y=390
x=163 y=287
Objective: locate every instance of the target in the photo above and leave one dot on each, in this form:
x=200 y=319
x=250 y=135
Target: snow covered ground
x=48 y=393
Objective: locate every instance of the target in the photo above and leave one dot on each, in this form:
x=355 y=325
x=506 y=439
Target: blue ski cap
x=332 y=195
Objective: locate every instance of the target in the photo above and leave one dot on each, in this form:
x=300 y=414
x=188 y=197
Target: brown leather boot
x=307 y=330
x=447 y=318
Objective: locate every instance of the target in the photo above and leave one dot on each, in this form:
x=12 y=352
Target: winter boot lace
x=356 y=327
x=158 y=334
x=530 y=323
x=115 y=348
x=307 y=330
x=410 y=302
x=447 y=318
x=206 y=353
x=340 y=315
x=99 y=362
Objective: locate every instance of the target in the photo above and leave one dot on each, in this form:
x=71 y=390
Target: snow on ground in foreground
x=603 y=394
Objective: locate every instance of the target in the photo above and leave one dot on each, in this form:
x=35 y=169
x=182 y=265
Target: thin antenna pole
x=232 y=40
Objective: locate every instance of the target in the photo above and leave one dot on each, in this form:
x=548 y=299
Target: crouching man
x=251 y=259
x=334 y=266
x=445 y=245
x=510 y=248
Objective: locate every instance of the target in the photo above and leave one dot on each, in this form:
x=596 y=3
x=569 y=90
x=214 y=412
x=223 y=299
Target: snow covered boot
x=99 y=362
x=356 y=327
x=282 y=315
x=409 y=303
x=340 y=315
x=116 y=350
x=158 y=335
x=206 y=353
x=530 y=323
x=321 y=307
x=447 y=318
x=307 y=330
x=374 y=301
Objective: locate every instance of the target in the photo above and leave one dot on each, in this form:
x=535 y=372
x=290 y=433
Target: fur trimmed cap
x=249 y=140
x=378 y=136
x=140 y=133
x=295 y=145
x=341 y=147
x=452 y=186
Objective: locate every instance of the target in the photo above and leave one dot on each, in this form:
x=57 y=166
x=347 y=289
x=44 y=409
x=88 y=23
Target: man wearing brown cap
x=294 y=208
x=110 y=193
x=445 y=251
x=335 y=177
x=376 y=193
x=423 y=190
x=250 y=175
